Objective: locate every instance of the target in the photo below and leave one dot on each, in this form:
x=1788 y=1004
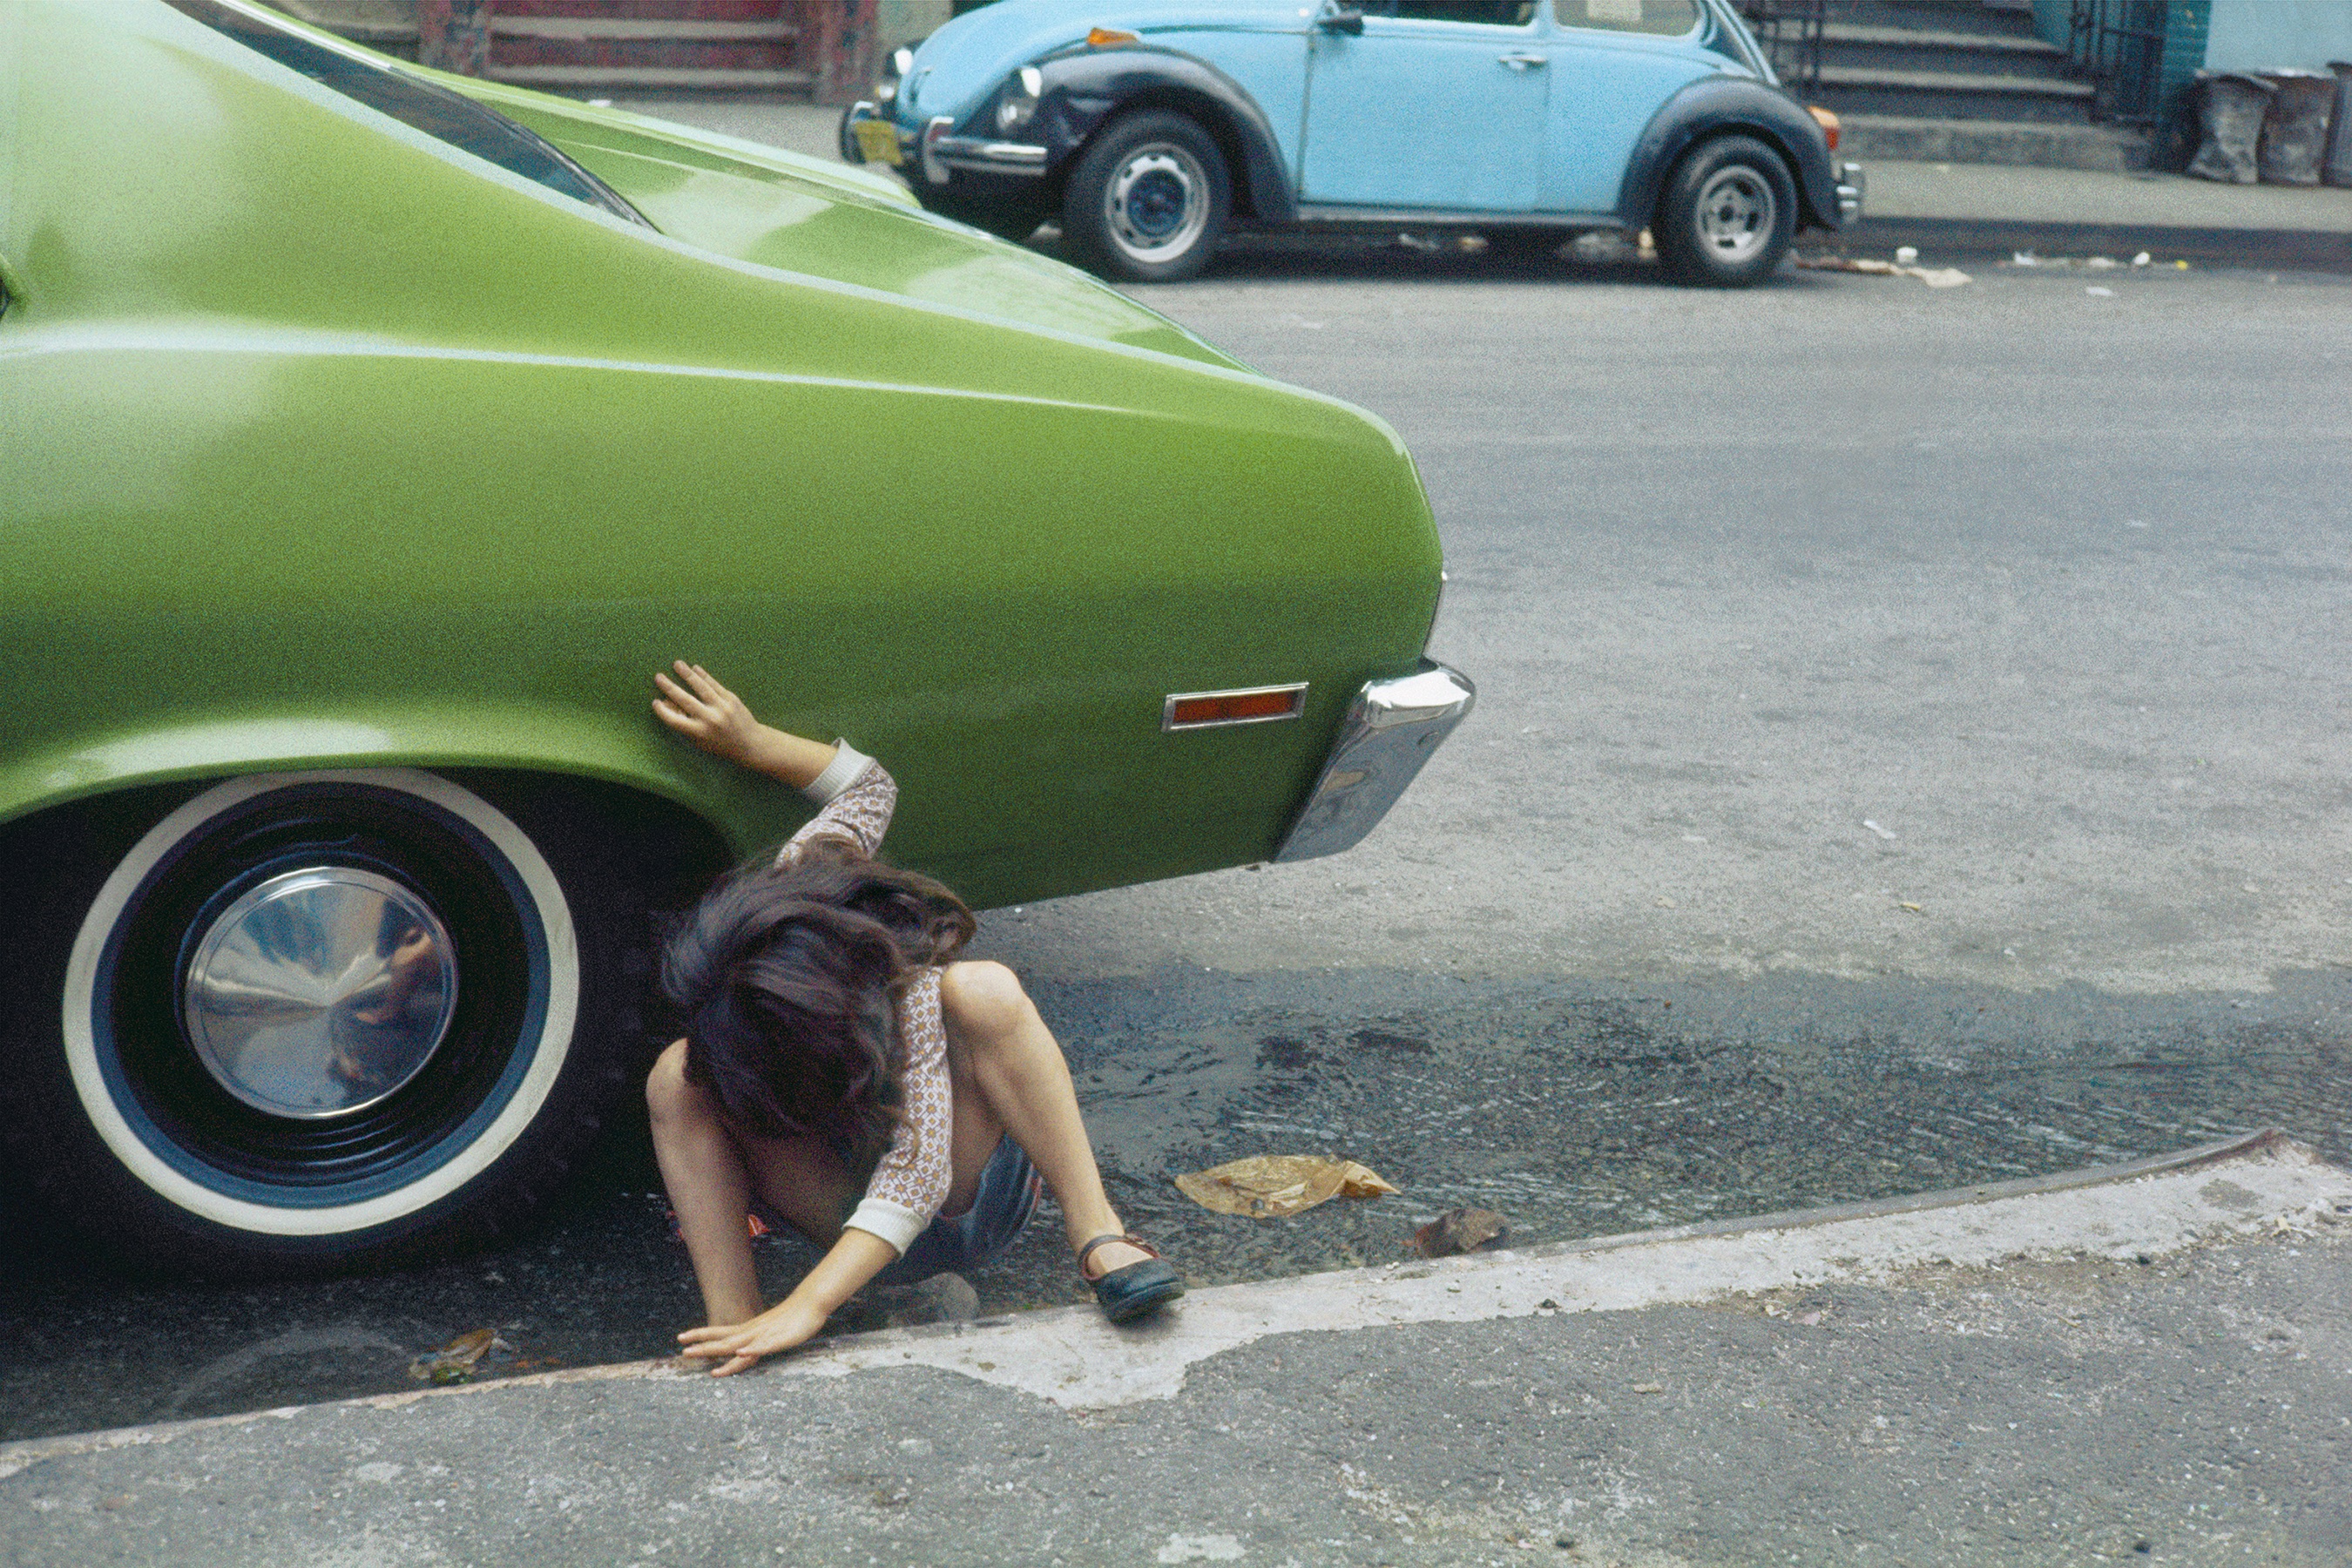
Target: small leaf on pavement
x=1273 y=1187
x=1461 y=1230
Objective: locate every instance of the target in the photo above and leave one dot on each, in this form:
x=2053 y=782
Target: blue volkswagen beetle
x=1150 y=128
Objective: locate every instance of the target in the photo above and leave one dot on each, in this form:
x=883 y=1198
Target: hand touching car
x=696 y=706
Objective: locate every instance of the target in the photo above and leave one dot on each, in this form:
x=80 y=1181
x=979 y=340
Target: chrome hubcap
x=1157 y=202
x=319 y=992
x=1736 y=214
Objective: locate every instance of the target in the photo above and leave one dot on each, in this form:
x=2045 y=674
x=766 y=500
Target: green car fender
x=491 y=440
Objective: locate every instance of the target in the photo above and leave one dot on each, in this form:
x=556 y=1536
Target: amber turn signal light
x=1829 y=122
x=1255 y=705
x=1104 y=38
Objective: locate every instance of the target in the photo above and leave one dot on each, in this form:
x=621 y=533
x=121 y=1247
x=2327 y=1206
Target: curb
x=1069 y=1357
x=2306 y=251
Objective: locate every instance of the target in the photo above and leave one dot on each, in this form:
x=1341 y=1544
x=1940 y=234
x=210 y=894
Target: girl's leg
x=998 y=1043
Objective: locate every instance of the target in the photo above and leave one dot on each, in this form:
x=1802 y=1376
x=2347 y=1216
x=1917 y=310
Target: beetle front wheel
x=1727 y=215
x=1149 y=200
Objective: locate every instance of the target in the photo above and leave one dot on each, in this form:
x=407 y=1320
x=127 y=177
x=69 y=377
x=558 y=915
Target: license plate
x=878 y=139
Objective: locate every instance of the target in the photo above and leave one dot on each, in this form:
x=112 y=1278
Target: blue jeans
x=1009 y=1185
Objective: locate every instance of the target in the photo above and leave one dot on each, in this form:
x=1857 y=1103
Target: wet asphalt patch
x=1572 y=1109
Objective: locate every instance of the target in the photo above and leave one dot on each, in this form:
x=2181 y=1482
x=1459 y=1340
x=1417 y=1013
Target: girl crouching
x=894 y=1105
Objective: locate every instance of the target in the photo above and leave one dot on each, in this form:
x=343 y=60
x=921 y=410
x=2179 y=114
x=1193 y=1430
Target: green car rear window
x=418 y=104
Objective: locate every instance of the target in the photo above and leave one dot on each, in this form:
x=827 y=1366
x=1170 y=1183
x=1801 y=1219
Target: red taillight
x=1199 y=710
x=1829 y=122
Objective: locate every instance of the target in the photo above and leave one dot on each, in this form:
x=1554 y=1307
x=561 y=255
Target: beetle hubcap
x=1157 y=202
x=1736 y=214
x=319 y=992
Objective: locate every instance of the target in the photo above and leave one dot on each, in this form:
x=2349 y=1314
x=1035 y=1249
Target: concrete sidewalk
x=1982 y=209
x=2147 y=1364
x=1946 y=209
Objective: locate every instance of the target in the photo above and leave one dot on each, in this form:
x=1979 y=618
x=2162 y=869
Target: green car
x=368 y=437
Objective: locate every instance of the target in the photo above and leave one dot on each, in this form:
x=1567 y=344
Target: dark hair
x=787 y=974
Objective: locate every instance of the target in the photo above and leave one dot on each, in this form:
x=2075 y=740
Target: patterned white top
x=857 y=795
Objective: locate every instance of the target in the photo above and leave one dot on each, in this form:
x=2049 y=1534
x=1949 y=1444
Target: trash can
x=2294 y=133
x=2231 y=107
x=2338 y=169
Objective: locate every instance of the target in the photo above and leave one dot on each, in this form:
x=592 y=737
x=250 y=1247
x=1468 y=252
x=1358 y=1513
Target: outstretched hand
x=736 y=1346
x=696 y=706
x=707 y=713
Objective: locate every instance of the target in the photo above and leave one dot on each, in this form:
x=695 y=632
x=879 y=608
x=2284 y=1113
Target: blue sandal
x=1126 y=1294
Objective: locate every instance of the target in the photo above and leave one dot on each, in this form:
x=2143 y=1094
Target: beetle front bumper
x=1391 y=728
x=1850 y=188
x=866 y=137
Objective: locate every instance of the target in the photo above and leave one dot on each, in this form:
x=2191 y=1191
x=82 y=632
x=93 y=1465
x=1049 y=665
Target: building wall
x=908 y=21
x=2257 y=34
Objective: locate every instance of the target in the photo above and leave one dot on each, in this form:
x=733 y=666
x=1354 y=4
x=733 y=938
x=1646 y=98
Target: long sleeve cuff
x=894 y=1223
x=847 y=763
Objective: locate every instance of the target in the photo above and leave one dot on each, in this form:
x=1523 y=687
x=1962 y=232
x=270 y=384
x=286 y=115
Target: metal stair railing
x=2119 y=45
x=1791 y=32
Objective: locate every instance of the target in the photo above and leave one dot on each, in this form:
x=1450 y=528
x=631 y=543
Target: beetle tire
x=1727 y=215
x=145 y=1142
x=1149 y=199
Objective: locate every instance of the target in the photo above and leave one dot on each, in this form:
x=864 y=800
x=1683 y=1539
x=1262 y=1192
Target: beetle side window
x=1490 y=13
x=1669 y=18
x=418 y=104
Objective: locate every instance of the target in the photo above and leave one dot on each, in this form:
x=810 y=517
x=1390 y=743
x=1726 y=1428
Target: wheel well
x=1763 y=134
x=661 y=848
x=1204 y=111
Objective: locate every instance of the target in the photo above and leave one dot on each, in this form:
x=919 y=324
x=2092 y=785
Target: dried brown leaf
x=1461 y=1230
x=1274 y=1186
x=455 y=1362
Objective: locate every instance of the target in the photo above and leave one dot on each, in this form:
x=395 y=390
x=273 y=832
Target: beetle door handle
x=1521 y=62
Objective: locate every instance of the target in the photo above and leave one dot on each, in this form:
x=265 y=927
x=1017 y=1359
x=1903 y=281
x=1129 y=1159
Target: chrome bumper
x=938 y=153
x=1850 y=184
x=932 y=150
x=1390 y=729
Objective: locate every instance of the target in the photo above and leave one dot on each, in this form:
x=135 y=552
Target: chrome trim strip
x=1297 y=690
x=851 y=152
x=1311 y=213
x=1391 y=728
x=935 y=131
x=1851 y=186
x=991 y=157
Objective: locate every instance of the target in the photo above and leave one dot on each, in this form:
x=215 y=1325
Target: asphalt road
x=2045 y=576
x=2046 y=583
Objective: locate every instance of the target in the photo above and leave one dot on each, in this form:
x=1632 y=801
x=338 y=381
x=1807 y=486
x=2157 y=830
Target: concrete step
x=1970 y=17
x=612 y=80
x=1953 y=95
x=631 y=29
x=613 y=11
x=645 y=45
x=2032 y=144
x=1907 y=48
x=776 y=51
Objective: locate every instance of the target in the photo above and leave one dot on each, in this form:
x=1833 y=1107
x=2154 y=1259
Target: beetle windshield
x=418 y=104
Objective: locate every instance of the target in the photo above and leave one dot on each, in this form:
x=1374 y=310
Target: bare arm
x=715 y=719
x=840 y=1274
